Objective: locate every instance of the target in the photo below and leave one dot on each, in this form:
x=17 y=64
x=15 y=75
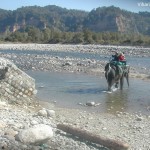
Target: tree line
x=35 y=35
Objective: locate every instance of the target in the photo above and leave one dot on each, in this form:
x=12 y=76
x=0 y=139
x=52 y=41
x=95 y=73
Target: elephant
x=113 y=76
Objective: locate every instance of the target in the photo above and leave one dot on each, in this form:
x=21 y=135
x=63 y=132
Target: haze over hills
x=101 y=19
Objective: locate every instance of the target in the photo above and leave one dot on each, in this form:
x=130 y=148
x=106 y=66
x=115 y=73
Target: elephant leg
x=117 y=85
x=110 y=84
x=126 y=75
x=127 y=78
x=121 y=82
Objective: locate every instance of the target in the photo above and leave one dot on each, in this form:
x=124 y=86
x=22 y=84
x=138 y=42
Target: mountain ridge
x=101 y=19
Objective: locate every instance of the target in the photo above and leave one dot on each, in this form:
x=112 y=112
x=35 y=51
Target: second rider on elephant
x=118 y=60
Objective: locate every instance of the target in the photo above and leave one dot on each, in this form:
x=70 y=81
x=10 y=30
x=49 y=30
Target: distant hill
x=101 y=19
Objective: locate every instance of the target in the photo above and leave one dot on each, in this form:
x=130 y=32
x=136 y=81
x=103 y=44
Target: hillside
x=101 y=19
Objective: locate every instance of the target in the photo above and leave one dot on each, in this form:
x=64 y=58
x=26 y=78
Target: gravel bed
x=44 y=62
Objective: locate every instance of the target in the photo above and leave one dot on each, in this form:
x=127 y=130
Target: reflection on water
x=117 y=101
x=68 y=90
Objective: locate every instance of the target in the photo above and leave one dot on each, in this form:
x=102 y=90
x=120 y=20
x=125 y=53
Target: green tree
x=46 y=35
x=34 y=34
x=78 y=38
x=87 y=34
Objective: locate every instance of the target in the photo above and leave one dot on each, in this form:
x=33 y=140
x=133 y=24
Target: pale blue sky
x=87 y=5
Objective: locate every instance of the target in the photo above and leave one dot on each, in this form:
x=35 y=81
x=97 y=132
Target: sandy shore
x=129 y=128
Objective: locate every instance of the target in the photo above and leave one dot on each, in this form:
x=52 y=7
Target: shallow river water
x=69 y=89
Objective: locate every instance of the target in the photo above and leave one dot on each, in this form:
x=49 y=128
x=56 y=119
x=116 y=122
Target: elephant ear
x=107 y=67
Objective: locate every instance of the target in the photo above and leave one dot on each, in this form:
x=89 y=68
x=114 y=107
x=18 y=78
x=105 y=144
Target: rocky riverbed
x=39 y=57
x=19 y=120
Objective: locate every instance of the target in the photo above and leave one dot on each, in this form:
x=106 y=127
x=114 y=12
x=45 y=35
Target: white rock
x=50 y=113
x=37 y=134
x=42 y=112
x=2 y=124
x=90 y=103
x=3 y=103
x=34 y=92
x=34 y=122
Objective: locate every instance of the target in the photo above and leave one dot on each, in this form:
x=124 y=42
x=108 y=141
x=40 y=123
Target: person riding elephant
x=116 y=70
x=122 y=59
x=118 y=60
x=115 y=57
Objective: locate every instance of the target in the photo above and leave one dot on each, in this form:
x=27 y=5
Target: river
x=69 y=90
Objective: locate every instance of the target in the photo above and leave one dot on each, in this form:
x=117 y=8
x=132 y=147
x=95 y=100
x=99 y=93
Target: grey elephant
x=113 y=76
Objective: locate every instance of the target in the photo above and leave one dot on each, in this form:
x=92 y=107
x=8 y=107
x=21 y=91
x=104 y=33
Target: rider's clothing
x=118 y=61
x=122 y=59
x=115 y=58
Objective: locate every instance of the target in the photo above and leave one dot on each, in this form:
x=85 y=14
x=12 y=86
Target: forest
x=53 y=24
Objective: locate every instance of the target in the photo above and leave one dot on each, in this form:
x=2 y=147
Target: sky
x=87 y=5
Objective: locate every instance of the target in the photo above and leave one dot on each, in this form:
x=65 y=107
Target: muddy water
x=68 y=90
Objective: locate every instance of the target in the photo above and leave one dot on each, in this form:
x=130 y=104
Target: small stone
x=104 y=128
x=4 y=145
x=42 y=112
x=10 y=132
x=34 y=122
x=50 y=113
x=90 y=103
x=139 y=119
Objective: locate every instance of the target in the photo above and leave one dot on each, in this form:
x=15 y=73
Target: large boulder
x=15 y=85
x=38 y=134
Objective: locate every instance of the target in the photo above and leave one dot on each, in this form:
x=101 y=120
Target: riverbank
x=129 y=128
x=101 y=49
x=64 y=58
